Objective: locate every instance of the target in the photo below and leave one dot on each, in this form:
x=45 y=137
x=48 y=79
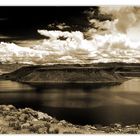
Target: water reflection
x=8 y=85
x=106 y=105
x=132 y=85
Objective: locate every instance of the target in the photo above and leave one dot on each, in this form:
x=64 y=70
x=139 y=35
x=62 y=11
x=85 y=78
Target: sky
x=79 y=35
x=19 y=20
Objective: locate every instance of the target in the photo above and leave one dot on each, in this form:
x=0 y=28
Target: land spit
x=65 y=75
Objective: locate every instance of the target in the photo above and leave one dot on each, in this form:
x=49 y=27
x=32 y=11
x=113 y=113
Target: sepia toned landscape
x=70 y=70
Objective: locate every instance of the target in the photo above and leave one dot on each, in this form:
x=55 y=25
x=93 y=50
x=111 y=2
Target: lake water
x=115 y=104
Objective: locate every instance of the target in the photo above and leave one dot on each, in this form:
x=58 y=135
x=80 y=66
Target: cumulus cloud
x=128 y=17
x=111 y=40
x=60 y=26
x=73 y=50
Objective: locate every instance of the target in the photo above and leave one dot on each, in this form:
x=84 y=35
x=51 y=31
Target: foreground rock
x=28 y=121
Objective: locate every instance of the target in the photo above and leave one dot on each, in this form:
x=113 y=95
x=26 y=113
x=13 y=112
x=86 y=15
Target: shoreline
x=29 y=121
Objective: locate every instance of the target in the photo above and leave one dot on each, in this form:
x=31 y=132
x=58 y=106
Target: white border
x=67 y=2
x=69 y=137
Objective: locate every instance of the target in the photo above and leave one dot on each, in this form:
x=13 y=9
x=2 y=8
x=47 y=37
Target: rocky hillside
x=28 y=121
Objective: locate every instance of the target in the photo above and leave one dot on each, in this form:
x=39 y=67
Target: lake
x=114 y=104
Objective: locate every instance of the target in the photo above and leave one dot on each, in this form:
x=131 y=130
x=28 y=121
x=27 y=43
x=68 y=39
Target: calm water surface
x=116 y=104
